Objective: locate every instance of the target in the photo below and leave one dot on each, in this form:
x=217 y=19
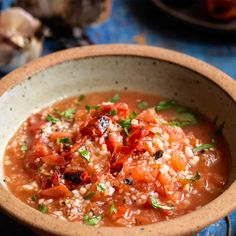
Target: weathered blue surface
x=132 y=18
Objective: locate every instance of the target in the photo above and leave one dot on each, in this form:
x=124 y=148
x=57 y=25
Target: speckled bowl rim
x=183 y=225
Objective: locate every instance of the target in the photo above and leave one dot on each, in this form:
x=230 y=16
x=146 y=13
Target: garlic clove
x=19 y=38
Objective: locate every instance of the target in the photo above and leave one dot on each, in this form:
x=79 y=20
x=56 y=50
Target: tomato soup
x=117 y=159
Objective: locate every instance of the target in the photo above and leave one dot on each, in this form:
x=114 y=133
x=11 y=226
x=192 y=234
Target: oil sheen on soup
x=117 y=159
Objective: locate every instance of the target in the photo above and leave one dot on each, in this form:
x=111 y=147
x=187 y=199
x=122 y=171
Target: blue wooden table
x=140 y=22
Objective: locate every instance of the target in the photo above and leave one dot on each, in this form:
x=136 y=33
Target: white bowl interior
x=116 y=73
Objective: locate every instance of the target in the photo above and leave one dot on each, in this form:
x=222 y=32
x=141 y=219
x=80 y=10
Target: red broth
x=116 y=159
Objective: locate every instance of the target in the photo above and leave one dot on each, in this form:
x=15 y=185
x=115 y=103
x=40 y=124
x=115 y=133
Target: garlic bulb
x=71 y=12
x=20 y=38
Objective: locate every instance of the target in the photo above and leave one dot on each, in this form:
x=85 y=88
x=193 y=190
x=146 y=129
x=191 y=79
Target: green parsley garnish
x=79 y=100
x=81 y=97
x=126 y=124
x=133 y=115
x=142 y=105
x=113 y=209
x=68 y=114
x=204 y=146
x=164 y=105
x=115 y=98
x=42 y=208
x=89 y=108
x=89 y=195
x=159 y=206
x=183 y=119
x=195 y=178
x=52 y=119
x=85 y=154
x=101 y=187
x=23 y=148
x=169 y=104
x=93 y=220
x=34 y=198
x=180 y=109
x=66 y=141
x=112 y=113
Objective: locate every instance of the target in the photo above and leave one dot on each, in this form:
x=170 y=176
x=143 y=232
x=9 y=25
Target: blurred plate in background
x=193 y=14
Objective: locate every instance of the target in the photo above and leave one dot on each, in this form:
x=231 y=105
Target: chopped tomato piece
x=164 y=178
x=160 y=190
x=122 y=110
x=56 y=192
x=85 y=177
x=113 y=141
x=126 y=149
x=78 y=144
x=117 y=162
x=136 y=135
x=40 y=149
x=60 y=135
x=96 y=126
x=35 y=122
x=54 y=160
x=55 y=179
x=148 y=116
x=178 y=163
x=138 y=171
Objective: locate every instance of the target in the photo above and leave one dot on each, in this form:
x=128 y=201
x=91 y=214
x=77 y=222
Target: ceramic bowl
x=118 y=67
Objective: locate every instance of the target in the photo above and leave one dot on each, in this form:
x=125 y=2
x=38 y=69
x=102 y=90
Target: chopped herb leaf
x=93 y=220
x=39 y=170
x=89 y=195
x=52 y=119
x=34 y=198
x=133 y=115
x=81 y=97
x=195 y=178
x=115 y=98
x=85 y=154
x=184 y=119
x=23 y=148
x=164 y=105
x=158 y=154
x=112 y=113
x=89 y=108
x=113 y=209
x=68 y=114
x=126 y=124
x=142 y=105
x=156 y=133
x=101 y=187
x=42 y=208
x=204 y=146
x=159 y=206
x=180 y=109
x=67 y=141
